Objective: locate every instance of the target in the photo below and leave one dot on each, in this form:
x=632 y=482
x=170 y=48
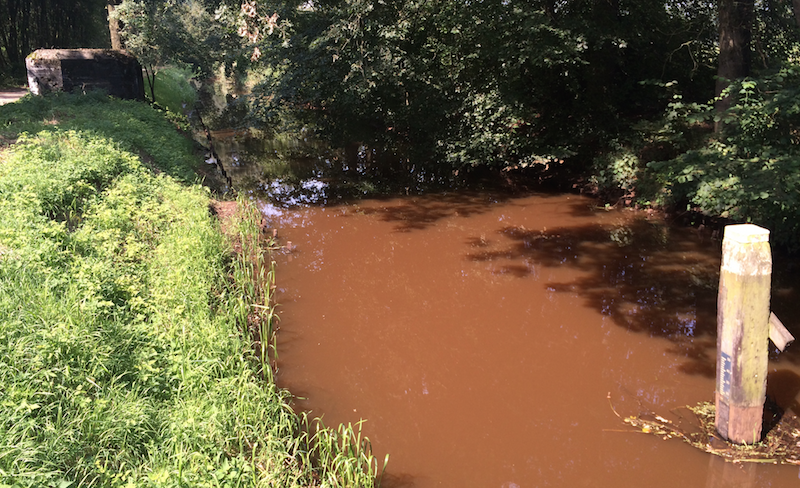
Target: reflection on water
x=296 y=169
x=481 y=335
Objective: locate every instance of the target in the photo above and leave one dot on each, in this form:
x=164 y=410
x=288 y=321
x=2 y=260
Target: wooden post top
x=746 y=233
x=746 y=251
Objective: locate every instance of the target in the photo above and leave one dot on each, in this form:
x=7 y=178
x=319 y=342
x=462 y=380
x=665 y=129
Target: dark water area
x=298 y=169
x=485 y=338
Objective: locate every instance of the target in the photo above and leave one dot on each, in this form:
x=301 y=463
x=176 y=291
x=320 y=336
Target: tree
x=498 y=82
x=735 y=19
x=27 y=25
x=187 y=32
x=113 y=25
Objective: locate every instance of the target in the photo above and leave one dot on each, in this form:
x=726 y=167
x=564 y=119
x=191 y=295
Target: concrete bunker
x=114 y=72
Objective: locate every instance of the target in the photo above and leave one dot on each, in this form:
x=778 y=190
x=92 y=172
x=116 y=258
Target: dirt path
x=8 y=95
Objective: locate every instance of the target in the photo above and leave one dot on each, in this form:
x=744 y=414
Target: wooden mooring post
x=744 y=325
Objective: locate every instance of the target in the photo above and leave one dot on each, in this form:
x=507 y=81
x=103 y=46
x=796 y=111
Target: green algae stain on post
x=743 y=314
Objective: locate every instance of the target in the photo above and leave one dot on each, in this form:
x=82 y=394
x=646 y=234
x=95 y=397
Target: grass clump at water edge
x=125 y=353
x=341 y=457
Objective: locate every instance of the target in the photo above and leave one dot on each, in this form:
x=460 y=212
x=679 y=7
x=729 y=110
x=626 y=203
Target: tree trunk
x=150 y=73
x=24 y=30
x=113 y=28
x=796 y=9
x=13 y=47
x=735 y=33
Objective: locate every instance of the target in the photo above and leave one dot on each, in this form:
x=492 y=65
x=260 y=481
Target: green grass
x=133 y=126
x=173 y=89
x=135 y=347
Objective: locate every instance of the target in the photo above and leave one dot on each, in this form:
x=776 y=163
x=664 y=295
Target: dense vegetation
x=132 y=354
x=135 y=344
x=656 y=102
x=27 y=25
x=686 y=104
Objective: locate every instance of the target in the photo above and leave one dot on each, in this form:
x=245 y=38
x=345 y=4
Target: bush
x=750 y=172
x=174 y=90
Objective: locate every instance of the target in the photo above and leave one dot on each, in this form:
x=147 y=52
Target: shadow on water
x=569 y=265
x=421 y=213
x=424 y=212
x=785 y=297
x=634 y=273
x=397 y=480
x=644 y=275
x=783 y=387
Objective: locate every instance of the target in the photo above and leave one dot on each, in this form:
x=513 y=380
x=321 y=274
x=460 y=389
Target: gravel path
x=8 y=95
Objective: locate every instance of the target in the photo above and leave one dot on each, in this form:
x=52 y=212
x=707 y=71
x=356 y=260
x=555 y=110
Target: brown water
x=482 y=336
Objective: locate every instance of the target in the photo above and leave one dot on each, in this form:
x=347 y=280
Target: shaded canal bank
x=481 y=335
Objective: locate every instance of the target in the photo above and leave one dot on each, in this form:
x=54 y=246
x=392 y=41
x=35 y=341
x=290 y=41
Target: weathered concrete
x=114 y=72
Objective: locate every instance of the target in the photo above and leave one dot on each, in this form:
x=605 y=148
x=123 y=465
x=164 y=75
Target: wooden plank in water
x=778 y=333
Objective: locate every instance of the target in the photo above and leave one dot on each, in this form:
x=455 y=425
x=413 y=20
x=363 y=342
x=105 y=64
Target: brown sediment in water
x=480 y=335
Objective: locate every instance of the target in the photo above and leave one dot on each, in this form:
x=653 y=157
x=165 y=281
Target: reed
x=253 y=284
x=340 y=457
x=345 y=457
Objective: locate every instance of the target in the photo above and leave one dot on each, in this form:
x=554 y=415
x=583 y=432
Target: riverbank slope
x=127 y=356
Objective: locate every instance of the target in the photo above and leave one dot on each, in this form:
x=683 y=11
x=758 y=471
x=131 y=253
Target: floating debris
x=781 y=445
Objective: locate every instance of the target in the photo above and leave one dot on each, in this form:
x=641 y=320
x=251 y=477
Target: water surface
x=485 y=338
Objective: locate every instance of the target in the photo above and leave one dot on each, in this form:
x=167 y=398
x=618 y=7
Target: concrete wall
x=114 y=72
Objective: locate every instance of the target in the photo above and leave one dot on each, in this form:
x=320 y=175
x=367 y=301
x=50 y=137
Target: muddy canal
x=481 y=336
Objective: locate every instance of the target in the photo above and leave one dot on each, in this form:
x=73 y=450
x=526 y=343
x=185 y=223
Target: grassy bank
x=127 y=324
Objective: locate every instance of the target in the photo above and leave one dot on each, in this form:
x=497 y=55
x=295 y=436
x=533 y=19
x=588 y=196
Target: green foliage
x=439 y=85
x=619 y=169
x=80 y=168
x=776 y=34
x=174 y=90
x=346 y=456
x=125 y=357
x=187 y=33
x=751 y=171
x=255 y=271
x=492 y=83
x=137 y=128
x=94 y=353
